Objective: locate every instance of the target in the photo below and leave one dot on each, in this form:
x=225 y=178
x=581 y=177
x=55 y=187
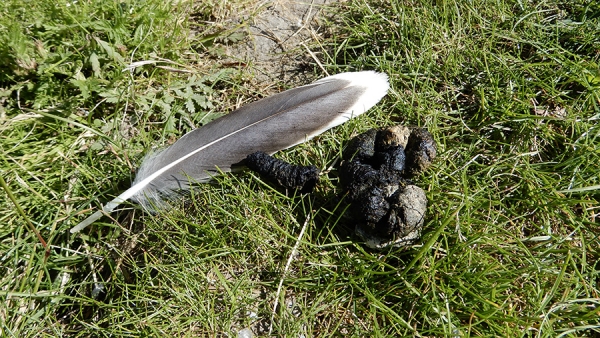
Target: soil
x=278 y=39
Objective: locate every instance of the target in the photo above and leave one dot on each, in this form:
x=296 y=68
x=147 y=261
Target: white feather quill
x=269 y=125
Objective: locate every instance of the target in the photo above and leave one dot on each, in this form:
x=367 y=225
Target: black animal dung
x=420 y=151
x=288 y=176
x=386 y=205
x=388 y=208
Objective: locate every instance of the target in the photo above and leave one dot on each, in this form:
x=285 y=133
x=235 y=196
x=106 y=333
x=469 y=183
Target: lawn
x=510 y=91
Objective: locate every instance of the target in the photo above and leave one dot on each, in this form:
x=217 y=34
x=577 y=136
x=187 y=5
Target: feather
x=268 y=125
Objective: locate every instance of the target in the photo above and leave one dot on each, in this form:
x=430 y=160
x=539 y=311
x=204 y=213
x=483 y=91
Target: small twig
x=22 y=213
x=315 y=58
x=98 y=287
x=176 y=70
x=286 y=269
x=305 y=20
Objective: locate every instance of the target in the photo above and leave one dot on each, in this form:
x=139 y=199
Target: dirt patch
x=278 y=40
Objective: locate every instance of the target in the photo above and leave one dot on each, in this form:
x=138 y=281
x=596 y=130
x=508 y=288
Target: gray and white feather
x=268 y=125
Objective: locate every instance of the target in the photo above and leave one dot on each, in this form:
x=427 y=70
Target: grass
x=509 y=89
